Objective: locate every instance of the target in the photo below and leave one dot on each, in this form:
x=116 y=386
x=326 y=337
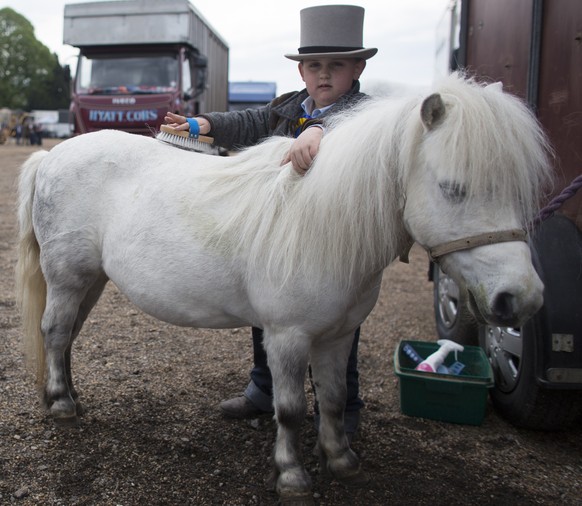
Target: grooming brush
x=182 y=139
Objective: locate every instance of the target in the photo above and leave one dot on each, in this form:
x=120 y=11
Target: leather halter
x=474 y=241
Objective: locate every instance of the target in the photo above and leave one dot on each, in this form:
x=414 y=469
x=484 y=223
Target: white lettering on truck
x=123 y=116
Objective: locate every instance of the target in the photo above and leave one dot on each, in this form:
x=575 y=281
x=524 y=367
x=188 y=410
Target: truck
x=139 y=59
x=534 y=48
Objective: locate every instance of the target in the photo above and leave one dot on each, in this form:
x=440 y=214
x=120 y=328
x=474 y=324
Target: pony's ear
x=498 y=86
x=432 y=110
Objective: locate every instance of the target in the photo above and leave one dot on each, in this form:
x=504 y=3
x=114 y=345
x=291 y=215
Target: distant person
x=27 y=133
x=18 y=130
x=37 y=129
x=331 y=59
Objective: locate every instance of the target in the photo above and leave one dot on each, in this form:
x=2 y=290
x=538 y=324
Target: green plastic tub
x=449 y=398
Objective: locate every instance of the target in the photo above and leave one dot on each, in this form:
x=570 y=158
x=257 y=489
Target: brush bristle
x=188 y=143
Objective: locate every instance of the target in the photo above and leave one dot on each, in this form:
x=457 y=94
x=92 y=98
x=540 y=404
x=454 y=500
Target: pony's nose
x=504 y=308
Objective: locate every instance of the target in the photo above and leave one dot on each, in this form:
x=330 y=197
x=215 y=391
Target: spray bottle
x=434 y=362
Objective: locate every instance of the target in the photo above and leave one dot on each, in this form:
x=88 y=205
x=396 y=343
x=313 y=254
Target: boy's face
x=327 y=79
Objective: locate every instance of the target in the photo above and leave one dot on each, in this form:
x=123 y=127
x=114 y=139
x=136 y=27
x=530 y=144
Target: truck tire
x=517 y=395
x=454 y=321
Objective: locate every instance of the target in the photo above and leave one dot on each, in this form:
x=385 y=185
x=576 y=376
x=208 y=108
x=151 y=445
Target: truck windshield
x=109 y=74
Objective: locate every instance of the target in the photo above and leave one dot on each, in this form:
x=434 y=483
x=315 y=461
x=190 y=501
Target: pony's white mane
x=341 y=218
x=344 y=217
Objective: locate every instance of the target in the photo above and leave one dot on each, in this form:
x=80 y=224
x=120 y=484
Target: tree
x=30 y=76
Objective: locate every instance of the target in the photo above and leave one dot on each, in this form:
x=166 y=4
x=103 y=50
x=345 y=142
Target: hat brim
x=358 y=53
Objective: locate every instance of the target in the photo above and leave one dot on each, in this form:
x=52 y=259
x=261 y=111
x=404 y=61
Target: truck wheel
x=517 y=395
x=454 y=321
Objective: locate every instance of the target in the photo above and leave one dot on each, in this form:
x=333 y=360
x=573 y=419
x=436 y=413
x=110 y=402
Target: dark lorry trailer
x=534 y=47
x=139 y=59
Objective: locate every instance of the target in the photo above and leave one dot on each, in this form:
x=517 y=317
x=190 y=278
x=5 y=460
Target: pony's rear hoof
x=63 y=410
x=79 y=409
x=271 y=480
x=297 y=500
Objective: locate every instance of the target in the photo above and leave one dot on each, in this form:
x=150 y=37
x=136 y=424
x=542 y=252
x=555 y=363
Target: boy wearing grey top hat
x=331 y=59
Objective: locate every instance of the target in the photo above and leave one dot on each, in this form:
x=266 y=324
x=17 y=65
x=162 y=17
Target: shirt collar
x=307 y=104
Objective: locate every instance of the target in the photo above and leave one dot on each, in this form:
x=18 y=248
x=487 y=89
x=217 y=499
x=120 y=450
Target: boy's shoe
x=241 y=407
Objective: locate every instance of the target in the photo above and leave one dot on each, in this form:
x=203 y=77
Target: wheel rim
x=448 y=300
x=504 y=348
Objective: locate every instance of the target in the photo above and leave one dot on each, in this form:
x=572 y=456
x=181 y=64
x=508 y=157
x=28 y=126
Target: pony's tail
x=30 y=282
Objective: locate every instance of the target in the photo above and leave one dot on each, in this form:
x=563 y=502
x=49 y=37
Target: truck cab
x=131 y=88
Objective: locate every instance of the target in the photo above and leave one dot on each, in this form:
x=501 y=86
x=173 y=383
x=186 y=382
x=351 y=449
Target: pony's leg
x=288 y=356
x=87 y=305
x=74 y=282
x=328 y=365
x=57 y=326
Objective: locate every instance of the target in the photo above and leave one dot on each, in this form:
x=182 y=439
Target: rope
x=557 y=201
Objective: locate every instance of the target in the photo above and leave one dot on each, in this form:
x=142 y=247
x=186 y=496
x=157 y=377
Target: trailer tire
x=454 y=321
x=517 y=395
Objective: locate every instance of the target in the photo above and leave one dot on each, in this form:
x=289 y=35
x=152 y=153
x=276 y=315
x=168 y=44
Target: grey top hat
x=332 y=31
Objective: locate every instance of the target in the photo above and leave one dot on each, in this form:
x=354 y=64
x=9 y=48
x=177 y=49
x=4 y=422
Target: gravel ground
x=152 y=433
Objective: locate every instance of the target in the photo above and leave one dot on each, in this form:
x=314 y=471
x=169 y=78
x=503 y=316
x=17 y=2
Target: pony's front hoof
x=297 y=500
x=348 y=470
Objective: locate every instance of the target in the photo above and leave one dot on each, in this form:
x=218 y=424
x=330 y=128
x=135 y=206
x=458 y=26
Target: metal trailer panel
x=251 y=91
x=498 y=42
x=558 y=250
x=250 y=94
x=535 y=48
x=560 y=93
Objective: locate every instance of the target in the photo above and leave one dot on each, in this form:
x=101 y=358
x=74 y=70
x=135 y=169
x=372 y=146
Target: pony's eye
x=452 y=191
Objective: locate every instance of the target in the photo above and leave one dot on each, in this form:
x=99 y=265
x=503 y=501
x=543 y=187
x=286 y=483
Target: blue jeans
x=260 y=389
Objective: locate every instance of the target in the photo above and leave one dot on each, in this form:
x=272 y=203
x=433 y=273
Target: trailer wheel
x=454 y=321
x=517 y=395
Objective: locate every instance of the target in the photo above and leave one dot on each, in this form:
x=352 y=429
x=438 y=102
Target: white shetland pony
x=222 y=242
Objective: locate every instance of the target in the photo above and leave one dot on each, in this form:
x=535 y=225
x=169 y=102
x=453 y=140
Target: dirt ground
x=153 y=435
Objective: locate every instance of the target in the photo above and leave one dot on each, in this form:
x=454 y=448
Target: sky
x=260 y=32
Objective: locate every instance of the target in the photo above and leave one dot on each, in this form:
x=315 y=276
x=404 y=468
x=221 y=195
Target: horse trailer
x=139 y=59
x=534 y=48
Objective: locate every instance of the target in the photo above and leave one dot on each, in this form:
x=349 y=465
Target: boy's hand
x=179 y=122
x=304 y=149
x=176 y=121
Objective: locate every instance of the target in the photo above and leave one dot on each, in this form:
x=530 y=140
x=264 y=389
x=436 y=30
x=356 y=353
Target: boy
x=331 y=59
